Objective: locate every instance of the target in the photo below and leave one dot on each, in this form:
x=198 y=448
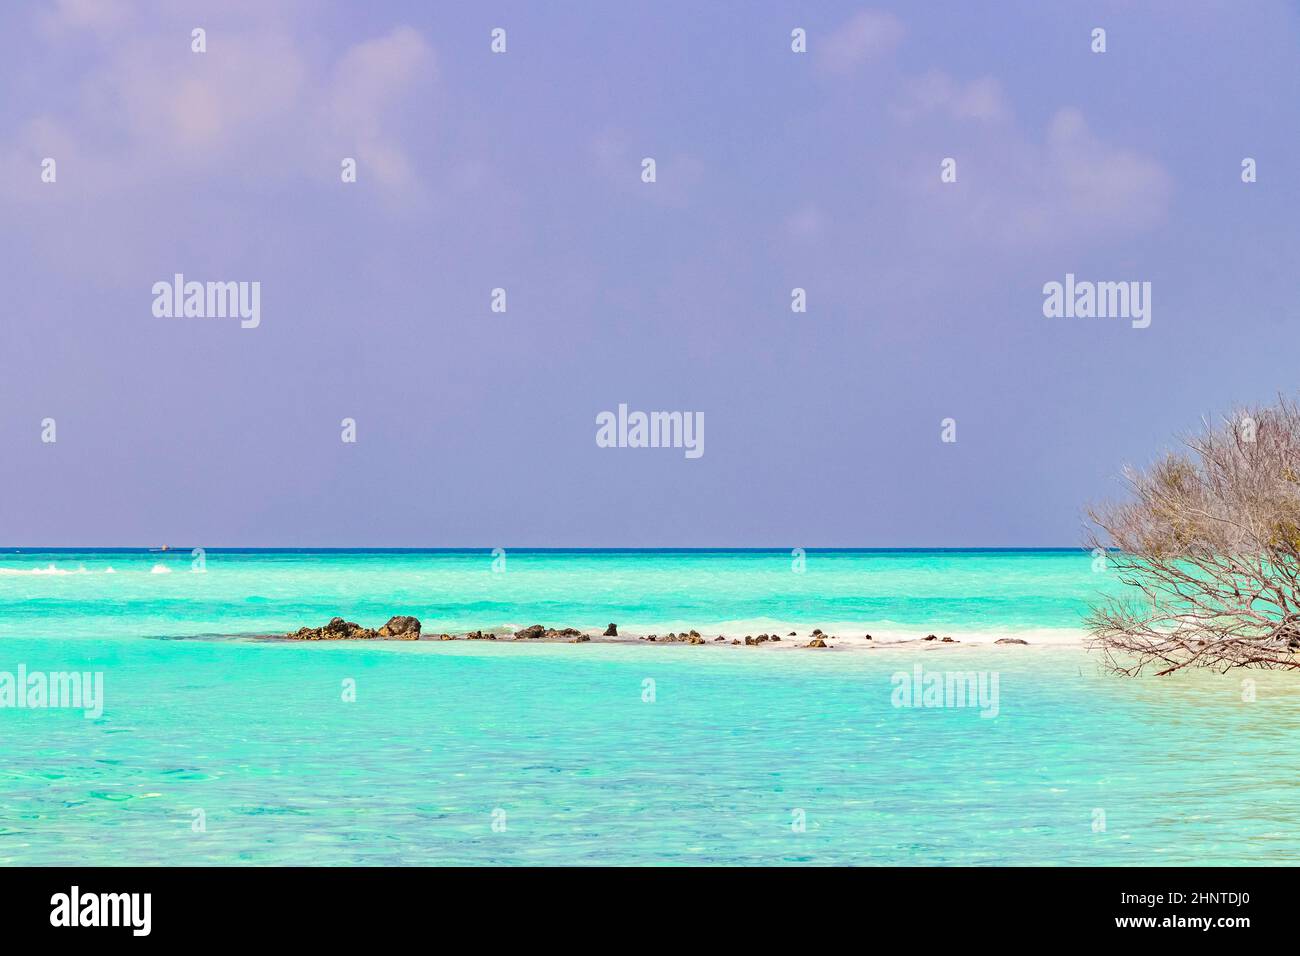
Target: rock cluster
x=692 y=637
x=536 y=632
x=336 y=630
x=818 y=638
x=407 y=628
x=401 y=628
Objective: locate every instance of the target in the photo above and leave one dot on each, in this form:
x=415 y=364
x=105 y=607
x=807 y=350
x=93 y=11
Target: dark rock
x=692 y=637
x=718 y=638
x=445 y=637
x=684 y=638
x=749 y=640
x=401 y=628
x=480 y=636
x=816 y=631
x=930 y=637
x=530 y=633
x=1010 y=640
x=868 y=637
x=775 y=638
x=949 y=640
x=336 y=630
x=611 y=631
x=735 y=642
x=791 y=634
x=816 y=642
x=580 y=639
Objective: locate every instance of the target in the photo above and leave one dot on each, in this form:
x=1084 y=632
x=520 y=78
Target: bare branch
x=1209 y=544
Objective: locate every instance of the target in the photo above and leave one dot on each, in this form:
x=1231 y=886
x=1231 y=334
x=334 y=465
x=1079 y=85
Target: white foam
x=47 y=570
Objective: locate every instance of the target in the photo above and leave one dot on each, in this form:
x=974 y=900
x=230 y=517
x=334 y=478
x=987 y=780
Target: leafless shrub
x=1210 y=547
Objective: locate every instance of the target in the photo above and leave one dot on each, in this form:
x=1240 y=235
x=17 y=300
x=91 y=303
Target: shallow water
x=71 y=594
x=1075 y=768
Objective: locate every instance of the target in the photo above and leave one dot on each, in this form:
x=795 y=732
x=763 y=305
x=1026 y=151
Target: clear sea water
x=560 y=744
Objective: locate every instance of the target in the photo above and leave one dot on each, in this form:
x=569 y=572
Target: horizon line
x=363 y=549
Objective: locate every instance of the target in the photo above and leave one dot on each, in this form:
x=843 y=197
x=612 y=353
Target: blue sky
x=522 y=170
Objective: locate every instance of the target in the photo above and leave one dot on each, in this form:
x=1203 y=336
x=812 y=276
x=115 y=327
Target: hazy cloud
x=865 y=36
x=1069 y=187
x=937 y=92
x=152 y=110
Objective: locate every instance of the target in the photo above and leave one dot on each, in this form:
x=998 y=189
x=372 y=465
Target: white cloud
x=1101 y=181
x=152 y=110
x=1071 y=187
x=63 y=15
x=866 y=36
x=937 y=92
x=369 y=81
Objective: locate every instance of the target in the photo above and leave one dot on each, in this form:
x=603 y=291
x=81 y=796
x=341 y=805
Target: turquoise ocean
x=218 y=746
